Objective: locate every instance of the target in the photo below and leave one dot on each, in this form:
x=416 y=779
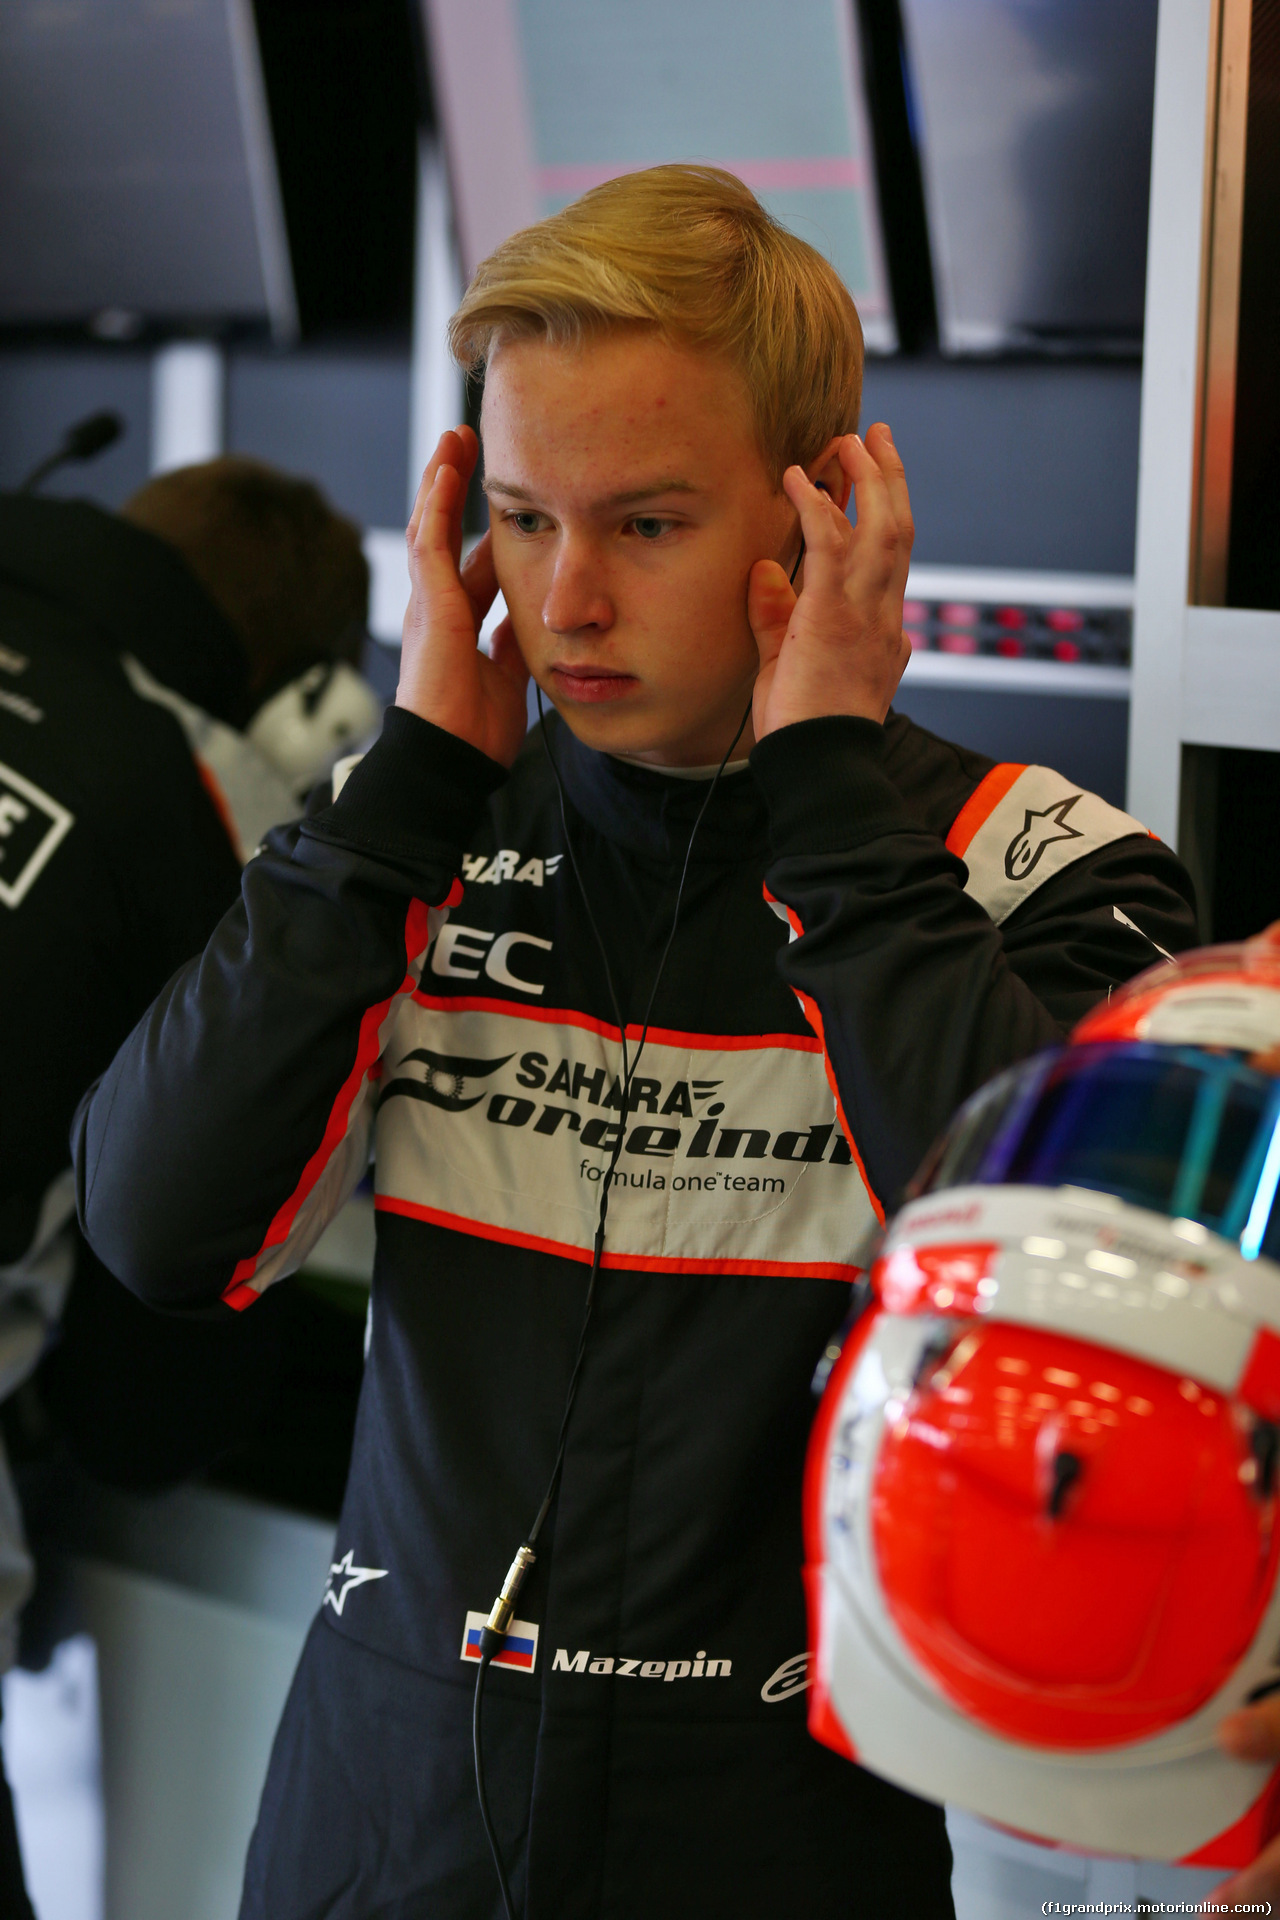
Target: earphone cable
x=630 y=1067
x=477 y=1754
x=493 y=1634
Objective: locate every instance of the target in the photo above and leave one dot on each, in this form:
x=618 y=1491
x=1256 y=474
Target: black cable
x=495 y=1630
x=629 y=1067
x=477 y=1752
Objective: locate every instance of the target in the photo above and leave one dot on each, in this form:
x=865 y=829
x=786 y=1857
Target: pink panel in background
x=476 y=60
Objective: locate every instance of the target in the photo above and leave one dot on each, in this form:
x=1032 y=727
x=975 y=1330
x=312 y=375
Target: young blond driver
x=672 y=386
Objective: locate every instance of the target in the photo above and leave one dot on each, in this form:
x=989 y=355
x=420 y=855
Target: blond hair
x=690 y=252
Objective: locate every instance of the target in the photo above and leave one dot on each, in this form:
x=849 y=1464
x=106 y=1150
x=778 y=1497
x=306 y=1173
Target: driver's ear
x=826 y=472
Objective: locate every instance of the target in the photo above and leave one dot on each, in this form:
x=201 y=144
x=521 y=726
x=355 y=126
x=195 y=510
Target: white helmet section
x=1091 y=1266
x=1160 y=1798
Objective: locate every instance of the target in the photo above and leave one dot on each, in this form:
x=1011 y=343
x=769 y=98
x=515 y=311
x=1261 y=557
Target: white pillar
x=188 y=379
x=1170 y=398
x=435 y=384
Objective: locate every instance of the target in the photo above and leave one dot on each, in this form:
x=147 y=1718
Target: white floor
x=52 y=1757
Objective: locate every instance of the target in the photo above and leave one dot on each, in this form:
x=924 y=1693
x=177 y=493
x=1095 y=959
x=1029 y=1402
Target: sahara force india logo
x=568 y=1089
x=728 y=1156
x=443 y=1079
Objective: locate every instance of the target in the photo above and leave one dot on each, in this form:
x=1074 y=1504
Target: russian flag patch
x=519 y=1649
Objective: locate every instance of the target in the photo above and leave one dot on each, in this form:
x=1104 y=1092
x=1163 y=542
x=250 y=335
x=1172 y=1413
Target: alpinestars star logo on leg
x=1039 y=830
x=343 y=1577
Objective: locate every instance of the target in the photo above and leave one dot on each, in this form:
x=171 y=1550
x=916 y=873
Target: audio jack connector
x=495 y=1628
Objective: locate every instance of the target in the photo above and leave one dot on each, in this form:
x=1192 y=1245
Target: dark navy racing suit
x=874 y=922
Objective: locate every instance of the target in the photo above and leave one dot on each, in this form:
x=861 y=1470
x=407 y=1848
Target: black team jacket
x=127 y=789
x=874 y=922
x=114 y=865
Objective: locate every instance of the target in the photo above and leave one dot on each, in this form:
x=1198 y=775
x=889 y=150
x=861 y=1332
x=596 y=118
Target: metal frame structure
x=1204 y=675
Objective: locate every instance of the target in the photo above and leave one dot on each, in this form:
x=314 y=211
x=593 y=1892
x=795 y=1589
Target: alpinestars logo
x=792 y=1677
x=445 y=1079
x=1039 y=830
x=343 y=1577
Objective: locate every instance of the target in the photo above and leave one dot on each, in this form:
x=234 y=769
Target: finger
x=448 y=448
x=479 y=577
x=771 y=601
x=470 y=456
x=464 y=467
x=1253 y=1733
x=886 y=456
x=1259 y=1881
x=432 y=556
x=457 y=447
x=826 y=532
x=877 y=526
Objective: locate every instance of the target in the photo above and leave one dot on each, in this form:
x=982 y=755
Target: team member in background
x=672 y=388
x=134 y=650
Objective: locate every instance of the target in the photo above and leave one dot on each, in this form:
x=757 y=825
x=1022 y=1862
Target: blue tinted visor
x=1181 y=1131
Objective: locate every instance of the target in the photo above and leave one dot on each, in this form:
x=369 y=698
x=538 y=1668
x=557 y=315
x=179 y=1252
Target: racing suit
x=874 y=921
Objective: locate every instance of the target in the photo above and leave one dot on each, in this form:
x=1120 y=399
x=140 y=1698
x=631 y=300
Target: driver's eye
x=526 y=522
x=649 y=527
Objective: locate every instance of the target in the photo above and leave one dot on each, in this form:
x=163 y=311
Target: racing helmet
x=1042 y=1503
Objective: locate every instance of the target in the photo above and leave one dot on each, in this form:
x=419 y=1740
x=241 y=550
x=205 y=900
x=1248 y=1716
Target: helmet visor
x=1181 y=1131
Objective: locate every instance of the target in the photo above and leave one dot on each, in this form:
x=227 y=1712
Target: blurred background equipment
x=1027 y=124
x=84 y=441
x=138 y=165
x=1026 y=666
x=1034 y=128
x=1205 y=723
x=773 y=93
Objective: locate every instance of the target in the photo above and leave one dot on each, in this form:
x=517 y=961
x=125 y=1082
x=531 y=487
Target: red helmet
x=1042 y=1505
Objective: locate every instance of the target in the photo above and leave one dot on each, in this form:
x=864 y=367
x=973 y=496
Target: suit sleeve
x=917 y=995
x=236 y=1118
